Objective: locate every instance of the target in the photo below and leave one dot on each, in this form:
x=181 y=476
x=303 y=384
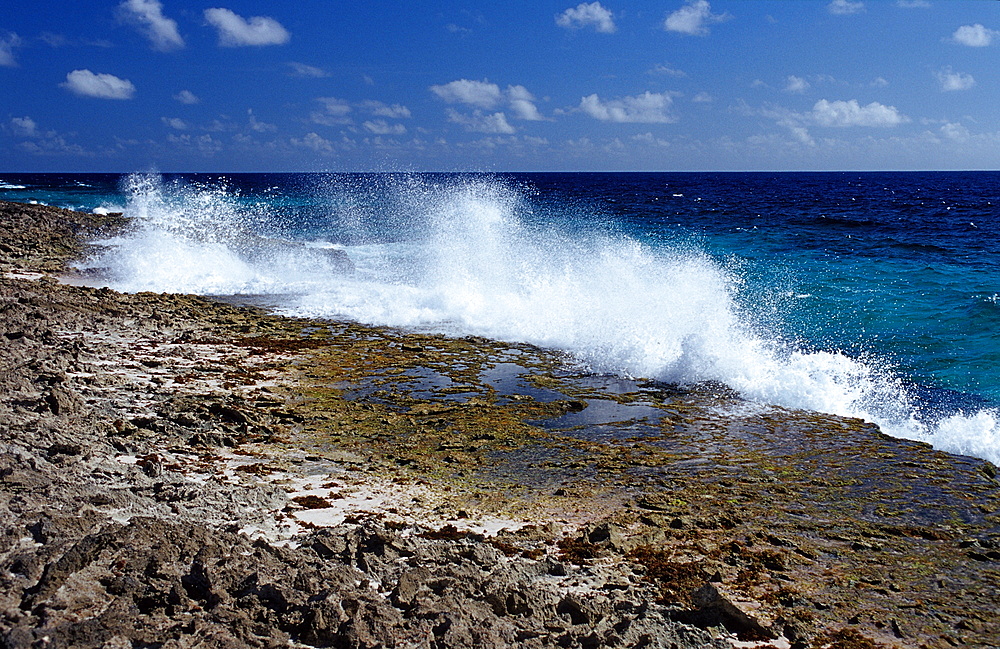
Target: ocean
x=873 y=295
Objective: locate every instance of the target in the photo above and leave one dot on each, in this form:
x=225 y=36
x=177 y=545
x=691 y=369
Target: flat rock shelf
x=182 y=472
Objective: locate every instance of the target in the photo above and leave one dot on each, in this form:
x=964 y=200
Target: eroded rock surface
x=176 y=472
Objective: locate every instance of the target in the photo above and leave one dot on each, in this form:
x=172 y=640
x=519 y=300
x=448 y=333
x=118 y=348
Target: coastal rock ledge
x=181 y=472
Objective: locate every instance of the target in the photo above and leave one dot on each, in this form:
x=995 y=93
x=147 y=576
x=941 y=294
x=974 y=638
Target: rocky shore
x=180 y=472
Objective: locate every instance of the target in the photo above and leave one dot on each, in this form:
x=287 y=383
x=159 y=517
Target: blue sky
x=321 y=85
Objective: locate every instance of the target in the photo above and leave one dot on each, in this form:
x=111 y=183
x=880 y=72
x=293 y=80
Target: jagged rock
x=123 y=522
x=739 y=614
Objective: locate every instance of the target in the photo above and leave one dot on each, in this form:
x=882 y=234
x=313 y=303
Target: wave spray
x=474 y=255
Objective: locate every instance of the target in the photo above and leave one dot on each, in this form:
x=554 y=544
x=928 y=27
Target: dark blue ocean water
x=866 y=294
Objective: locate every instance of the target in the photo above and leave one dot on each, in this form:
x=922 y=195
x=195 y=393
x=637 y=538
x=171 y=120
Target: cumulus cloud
x=7 y=45
x=480 y=123
x=175 y=123
x=955 y=132
x=147 y=16
x=236 y=31
x=379 y=109
x=334 y=106
x=974 y=35
x=335 y=112
x=382 y=127
x=649 y=138
x=799 y=132
x=845 y=7
x=647 y=108
x=482 y=94
x=796 y=84
x=313 y=142
x=693 y=18
x=486 y=95
x=102 y=86
x=522 y=103
x=587 y=14
x=203 y=144
x=951 y=80
x=186 y=97
x=37 y=141
x=838 y=114
x=303 y=70
x=259 y=126
x=24 y=127
x=851 y=113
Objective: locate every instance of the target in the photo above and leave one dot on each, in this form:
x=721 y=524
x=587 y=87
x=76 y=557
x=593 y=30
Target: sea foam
x=205 y=240
x=476 y=255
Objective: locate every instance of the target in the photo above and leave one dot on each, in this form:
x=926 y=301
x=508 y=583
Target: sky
x=517 y=85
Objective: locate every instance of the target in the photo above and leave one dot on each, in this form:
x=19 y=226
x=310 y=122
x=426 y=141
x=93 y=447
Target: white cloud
x=53 y=40
x=955 y=132
x=693 y=18
x=845 y=7
x=879 y=82
x=148 y=16
x=379 y=109
x=668 y=71
x=649 y=138
x=7 y=45
x=59 y=40
x=40 y=142
x=303 y=70
x=974 y=35
x=647 y=108
x=313 y=142
x=587 y=14
x=482 y=94
x=912 y=4
x=335 y=112
x=175 y=123
x=850 y=113
x=486 y=95
x=103 y=86
x=186 y=97
x=382 y=127
x=480 y=123
x=796 y=84
x=702 y=98
x=257 y=125
x=800 y=133
x=204 y=144
x=24 y=127
x=335 y=106
x=951 y=80
x=235 y=31
x=522 y=103
x=219 y=126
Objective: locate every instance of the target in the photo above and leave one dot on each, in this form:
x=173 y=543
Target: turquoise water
x=865 y=294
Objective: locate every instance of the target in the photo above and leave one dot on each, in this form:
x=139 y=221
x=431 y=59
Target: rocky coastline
x=181 y=472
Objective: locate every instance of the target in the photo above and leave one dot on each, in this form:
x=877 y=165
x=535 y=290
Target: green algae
x=821 y=519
